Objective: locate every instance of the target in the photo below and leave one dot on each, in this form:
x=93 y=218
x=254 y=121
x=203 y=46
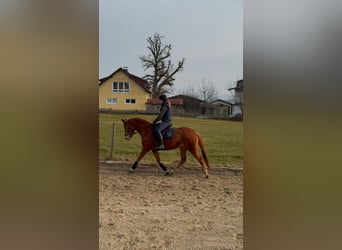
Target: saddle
x=168 y=132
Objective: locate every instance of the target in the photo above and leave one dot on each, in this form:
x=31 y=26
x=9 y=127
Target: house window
x=112 y=101
x=120 y=87
x=130 y=101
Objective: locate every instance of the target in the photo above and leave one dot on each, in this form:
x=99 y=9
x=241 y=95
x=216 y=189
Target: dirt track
x=184 y=211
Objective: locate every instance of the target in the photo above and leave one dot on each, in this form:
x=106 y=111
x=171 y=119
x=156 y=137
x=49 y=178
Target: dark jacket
x=165 y=113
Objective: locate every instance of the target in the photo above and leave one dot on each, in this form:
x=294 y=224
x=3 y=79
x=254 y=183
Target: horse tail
x=203 y=149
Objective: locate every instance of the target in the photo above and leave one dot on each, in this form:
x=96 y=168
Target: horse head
x=129 y=129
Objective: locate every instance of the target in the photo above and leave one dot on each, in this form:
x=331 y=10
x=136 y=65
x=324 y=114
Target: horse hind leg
x=183 y=158
x=199 y=158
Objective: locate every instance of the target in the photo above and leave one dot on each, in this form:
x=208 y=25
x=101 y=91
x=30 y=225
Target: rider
x=165 y=117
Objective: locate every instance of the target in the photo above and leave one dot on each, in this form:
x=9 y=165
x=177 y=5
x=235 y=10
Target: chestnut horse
x=184 y=138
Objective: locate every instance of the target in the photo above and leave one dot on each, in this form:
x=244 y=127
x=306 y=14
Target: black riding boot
x=160 y=144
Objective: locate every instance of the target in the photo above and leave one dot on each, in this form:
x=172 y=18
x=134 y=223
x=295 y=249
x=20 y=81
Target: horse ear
x=123 y=120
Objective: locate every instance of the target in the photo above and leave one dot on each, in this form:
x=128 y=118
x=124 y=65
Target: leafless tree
x=230 y=87
x=208 y=93
x=161 y=78
x=189 y=91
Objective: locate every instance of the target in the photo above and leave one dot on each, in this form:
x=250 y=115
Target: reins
x=138 y=126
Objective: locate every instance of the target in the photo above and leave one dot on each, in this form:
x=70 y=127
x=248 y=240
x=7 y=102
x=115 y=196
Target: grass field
x=223 y=139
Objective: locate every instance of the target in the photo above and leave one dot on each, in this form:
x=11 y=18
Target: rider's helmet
x=163 y=98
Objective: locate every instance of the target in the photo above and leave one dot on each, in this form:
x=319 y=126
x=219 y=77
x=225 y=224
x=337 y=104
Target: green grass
x=223 y=139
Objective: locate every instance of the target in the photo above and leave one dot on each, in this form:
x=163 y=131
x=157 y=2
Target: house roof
x=140 y=81
x=220 y=102
x=156 y=101
x=185 y=96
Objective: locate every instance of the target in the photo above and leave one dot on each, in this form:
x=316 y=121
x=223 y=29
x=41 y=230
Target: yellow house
x=123 y=91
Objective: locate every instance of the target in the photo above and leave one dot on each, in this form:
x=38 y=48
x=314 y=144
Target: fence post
x=113 y=140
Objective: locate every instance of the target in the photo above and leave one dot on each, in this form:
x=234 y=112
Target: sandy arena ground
x=145 y=210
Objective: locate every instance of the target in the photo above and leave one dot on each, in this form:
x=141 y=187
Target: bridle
x=129 y=133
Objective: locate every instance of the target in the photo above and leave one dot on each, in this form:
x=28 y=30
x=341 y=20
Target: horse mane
x=140 y=121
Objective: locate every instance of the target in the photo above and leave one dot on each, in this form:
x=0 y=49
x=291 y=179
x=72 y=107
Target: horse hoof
x=207 y=176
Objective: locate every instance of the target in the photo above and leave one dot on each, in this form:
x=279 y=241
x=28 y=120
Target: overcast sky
x=208 y=34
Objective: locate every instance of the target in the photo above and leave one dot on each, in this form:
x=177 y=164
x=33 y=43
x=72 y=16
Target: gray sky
x=208 y=34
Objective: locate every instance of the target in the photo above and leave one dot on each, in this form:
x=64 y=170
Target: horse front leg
x=140 y=156
x=161 y=165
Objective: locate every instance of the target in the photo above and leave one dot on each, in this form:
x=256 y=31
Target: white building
x=237 y=108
